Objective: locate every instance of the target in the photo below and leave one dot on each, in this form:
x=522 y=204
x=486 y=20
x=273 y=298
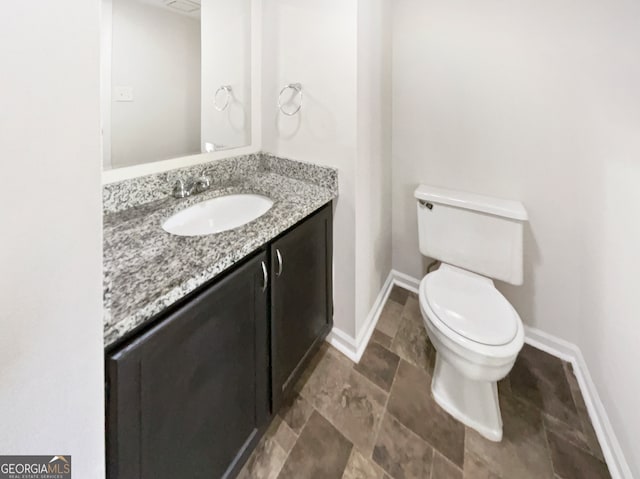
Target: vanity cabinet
x=191 y=396
x=301 y=299
x=188 y=398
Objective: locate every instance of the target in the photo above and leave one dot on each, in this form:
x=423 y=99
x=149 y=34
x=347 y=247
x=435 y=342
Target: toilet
x=476 y=332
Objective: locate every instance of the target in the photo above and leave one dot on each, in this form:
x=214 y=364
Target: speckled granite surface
x=137 y=191
x=126 y=194
x=146 y=269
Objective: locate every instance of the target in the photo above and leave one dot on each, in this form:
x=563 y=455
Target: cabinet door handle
x=265 y=277
x=279 y=272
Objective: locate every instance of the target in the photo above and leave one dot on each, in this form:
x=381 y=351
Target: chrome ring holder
x=227 y=100
x=291 y=86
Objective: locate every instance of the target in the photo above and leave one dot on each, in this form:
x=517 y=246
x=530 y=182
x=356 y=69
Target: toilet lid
x=471 y=306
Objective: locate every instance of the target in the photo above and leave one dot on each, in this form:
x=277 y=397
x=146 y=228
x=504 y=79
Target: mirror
x=176 y=79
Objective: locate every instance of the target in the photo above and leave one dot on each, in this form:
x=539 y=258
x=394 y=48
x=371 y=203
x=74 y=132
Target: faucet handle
x=202 y=182
x=180 y=190
x=204 y=179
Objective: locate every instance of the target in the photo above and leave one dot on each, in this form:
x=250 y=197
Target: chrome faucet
x=180 y=190
x=202 y=183
x=183 y=189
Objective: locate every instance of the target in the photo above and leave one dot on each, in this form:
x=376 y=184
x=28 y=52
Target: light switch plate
x=123 y=93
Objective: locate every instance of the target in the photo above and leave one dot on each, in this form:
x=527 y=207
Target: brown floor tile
x=566 y=432
x=265 y=462
x=360 y=467
x=379 y=365
x=320 y=357
x=475 y=468
x=317 y=368
x=412 y=344
x=296 y=412
x=280 y=431
x=539 y=378
x=411 y=309
x=352 y=403
x=411 y=403
x=523 y=452
x=432 y=362
x=320 y=453
x=381 y=338
x=399 y=295
x=590 y=434
x=350 y=428
x=328 y=367
x=400 y=452
x=390 y=318
x=504 y=386
x=444 y=469
x=571 y=462
x=587 y=426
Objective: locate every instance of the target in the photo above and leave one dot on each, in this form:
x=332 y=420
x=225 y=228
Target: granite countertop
x=147 y=269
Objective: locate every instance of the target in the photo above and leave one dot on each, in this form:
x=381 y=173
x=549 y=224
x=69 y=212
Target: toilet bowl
x=477 y=335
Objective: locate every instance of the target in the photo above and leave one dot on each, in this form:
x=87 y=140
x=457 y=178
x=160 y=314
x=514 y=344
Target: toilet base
x=473 y=403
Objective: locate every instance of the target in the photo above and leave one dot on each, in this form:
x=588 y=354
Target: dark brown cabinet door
x=301 y=298
x=188 y=398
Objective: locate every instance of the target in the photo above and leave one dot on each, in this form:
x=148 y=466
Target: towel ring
x=227 y=89
x=291 y=86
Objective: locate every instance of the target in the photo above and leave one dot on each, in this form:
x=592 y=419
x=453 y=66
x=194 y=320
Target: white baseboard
x=618 y=466
x=344 y=343
x=354 y=348
x=550 y=344
x=405 y=281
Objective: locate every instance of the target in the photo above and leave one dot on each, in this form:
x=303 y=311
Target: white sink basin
x=217 y=215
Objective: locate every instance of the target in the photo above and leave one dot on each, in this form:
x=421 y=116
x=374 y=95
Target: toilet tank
x=475 y=232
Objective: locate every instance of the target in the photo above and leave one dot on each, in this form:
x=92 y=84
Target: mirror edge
x=135 y=171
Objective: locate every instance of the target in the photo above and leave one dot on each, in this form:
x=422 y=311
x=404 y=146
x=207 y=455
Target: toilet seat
x=468 y=308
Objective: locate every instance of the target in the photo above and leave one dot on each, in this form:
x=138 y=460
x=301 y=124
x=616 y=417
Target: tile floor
x=377 y=420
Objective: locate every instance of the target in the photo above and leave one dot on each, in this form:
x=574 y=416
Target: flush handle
x=265 y=277
x=279 y=257
x=426 y=204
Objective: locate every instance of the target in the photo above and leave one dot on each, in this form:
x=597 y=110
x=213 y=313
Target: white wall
x=297 y=47
x=373 y=162
x=226 y=60
x=536 y=101
x=51 y=360
x=339 y=51
x=157 y=52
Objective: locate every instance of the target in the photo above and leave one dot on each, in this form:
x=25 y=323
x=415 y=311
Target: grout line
x=461 y=469
x=386 y=404
x=353 y=450
x=286 y=456
x=385 y=411
x=414 y=434
x=329 y=420
x=288 y=453
x=568 y=372
x=465 y=449
x=386 y=393
x=401 y=358
x=433 y=462
x=548 y=447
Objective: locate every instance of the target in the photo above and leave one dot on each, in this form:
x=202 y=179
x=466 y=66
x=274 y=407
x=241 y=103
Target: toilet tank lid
x=472 y=201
